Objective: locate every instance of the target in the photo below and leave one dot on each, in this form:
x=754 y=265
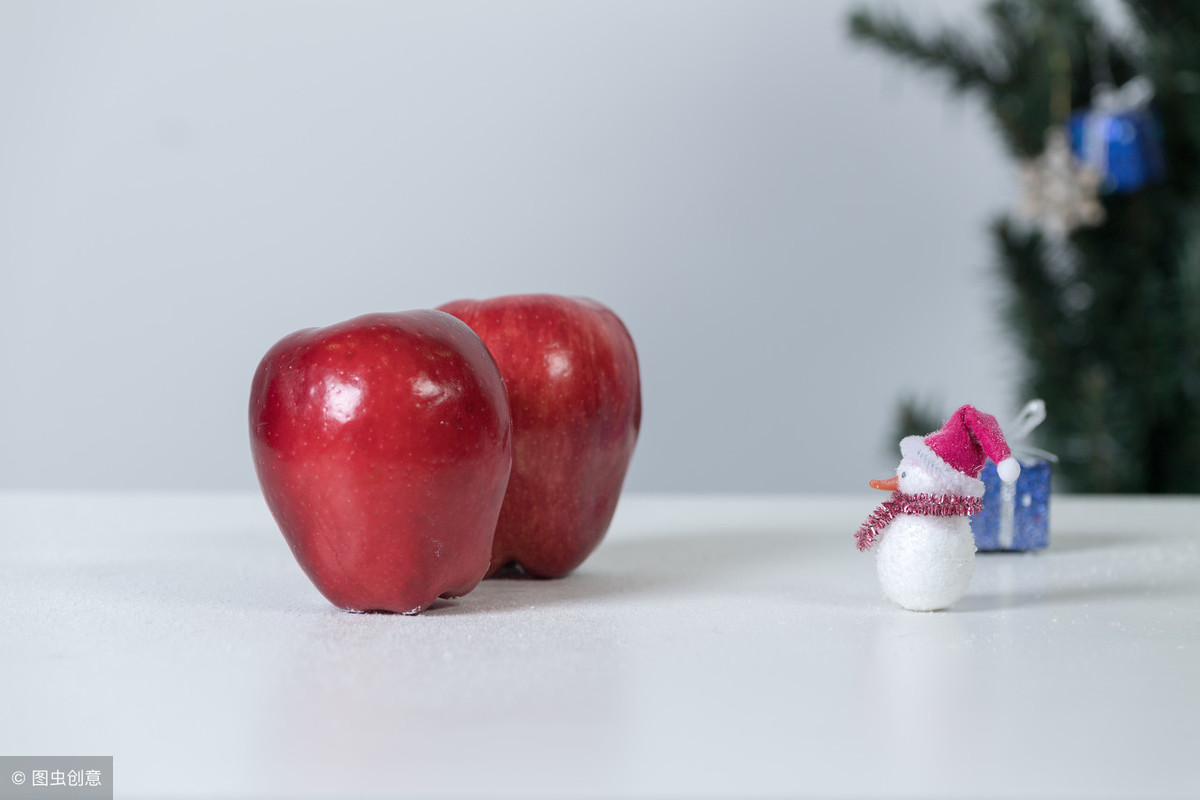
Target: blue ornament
x=1120 y=137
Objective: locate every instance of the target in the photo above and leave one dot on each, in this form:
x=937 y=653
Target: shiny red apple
x=383 y=447
x=573 y=385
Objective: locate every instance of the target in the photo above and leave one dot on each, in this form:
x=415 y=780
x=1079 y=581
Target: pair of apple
x=406 y=456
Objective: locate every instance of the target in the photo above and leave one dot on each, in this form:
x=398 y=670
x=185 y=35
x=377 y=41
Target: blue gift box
x=1016 y=517
x=1124 y=147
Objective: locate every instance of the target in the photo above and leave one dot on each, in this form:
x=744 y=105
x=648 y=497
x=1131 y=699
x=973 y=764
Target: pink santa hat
x=956 y=453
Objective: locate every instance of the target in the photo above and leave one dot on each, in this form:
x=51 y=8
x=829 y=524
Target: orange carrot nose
x=890 y=485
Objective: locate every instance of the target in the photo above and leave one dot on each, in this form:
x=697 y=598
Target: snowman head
x=922 y=471
x=913 y=478
x=954 y=455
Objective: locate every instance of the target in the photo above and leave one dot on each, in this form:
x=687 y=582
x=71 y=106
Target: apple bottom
x=545 y=539
x=394 y=548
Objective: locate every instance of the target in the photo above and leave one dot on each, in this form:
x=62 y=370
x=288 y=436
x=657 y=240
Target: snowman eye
x=904 y=474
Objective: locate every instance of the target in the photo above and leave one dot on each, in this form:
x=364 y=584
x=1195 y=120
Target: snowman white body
x=925 y=563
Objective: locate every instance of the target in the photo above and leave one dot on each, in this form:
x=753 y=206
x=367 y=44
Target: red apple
x=383 y=446
x=575 y=393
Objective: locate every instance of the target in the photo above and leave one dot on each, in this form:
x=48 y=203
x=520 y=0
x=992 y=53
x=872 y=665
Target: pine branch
x=1172 y=18
x=1062 y=369
x=916 y=417
x=945 y=51
x=1035 y=306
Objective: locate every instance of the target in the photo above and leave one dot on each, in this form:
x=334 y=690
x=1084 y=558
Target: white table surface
x=712 y=646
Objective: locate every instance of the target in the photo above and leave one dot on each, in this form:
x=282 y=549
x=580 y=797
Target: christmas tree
x=1104 y=300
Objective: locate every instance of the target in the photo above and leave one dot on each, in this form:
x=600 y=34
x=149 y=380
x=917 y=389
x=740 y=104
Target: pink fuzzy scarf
x=922 y=505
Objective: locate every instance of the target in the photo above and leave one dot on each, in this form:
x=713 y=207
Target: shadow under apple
x=670 y=563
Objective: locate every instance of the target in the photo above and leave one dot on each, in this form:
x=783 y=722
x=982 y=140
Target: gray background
x=792 y=228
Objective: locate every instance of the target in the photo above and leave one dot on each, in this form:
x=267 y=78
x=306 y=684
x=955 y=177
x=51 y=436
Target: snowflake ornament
x=1061 y=193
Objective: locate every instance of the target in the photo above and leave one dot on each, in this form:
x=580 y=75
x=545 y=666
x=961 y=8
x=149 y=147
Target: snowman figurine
x=925 y=550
